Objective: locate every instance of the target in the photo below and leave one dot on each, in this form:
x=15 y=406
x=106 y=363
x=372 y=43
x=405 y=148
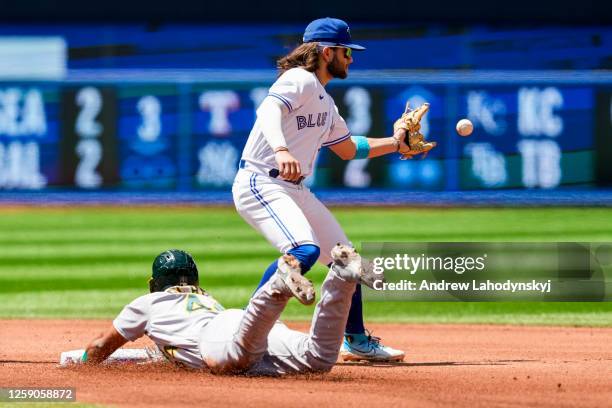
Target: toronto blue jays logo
x=309 y=121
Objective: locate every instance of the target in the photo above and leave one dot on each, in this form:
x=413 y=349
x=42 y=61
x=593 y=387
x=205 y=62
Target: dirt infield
x=446 y=365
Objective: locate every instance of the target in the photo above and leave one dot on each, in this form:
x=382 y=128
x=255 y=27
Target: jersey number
x=198 y=302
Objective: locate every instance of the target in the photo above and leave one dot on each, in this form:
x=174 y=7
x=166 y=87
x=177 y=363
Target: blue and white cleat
x=365 y=347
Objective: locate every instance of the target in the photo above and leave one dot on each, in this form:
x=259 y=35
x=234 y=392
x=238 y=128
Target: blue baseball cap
x=331 y=32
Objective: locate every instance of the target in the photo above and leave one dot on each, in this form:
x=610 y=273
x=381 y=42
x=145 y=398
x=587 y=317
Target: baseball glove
x=414 y=140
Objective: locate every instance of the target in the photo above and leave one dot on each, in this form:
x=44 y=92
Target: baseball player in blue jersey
x=295 y=120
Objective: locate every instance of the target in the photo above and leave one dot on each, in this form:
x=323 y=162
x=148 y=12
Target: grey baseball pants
x=254 y=342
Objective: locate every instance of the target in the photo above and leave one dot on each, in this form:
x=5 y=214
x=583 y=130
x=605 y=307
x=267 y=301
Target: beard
x=336 y=70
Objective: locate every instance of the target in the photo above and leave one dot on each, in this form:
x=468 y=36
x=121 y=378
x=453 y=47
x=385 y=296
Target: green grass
x=89 y=262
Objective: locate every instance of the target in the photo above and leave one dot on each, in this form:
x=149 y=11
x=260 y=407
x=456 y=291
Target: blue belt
x=273 y=173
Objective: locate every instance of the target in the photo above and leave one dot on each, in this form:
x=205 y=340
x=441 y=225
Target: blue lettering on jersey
x=303 y=121
x=321 y=119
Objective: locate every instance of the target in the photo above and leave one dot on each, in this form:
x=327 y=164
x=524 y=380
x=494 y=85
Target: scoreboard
x=524 y=137
x=187 y=136
x=530 y=136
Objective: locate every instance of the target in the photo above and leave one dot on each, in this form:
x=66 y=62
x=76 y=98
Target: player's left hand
x=407 y=131
x=403 y=148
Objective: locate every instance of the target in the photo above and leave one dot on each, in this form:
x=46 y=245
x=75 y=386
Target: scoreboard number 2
x=90 y=101
x=89 y=147
x=88 y=144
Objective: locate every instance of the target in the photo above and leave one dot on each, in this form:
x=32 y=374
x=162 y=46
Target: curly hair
x=305 y=55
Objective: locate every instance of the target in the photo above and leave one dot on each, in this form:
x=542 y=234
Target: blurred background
x=151 y=102
x=152 y=97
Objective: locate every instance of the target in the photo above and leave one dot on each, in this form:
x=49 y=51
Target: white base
x=120 y=355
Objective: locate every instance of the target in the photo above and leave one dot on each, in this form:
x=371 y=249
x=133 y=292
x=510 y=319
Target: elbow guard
x=362 y=147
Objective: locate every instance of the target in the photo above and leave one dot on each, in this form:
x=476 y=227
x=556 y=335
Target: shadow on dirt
x=432 y=364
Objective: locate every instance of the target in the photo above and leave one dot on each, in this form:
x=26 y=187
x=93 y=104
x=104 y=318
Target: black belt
x=274 y=173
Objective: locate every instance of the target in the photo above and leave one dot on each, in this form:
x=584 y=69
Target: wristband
x=397 y=144
x=362 y=147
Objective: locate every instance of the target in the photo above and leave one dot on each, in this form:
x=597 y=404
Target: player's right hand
x=288 y=166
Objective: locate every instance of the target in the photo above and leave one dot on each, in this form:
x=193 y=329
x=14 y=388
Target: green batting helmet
x=173 y=268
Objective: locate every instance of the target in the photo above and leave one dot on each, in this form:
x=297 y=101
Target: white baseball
x=465 y=127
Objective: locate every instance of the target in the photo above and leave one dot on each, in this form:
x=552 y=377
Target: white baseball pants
x=287 y=215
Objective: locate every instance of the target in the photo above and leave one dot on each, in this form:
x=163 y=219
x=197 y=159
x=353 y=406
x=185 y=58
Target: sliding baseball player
x=193 y=330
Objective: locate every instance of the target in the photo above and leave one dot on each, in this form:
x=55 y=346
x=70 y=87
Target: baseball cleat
x=289 y=272
x=349 y=265
x=365 y=347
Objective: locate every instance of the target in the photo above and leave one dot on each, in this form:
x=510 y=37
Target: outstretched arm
x=408 y=126
x=347 y=149
x=103 y=346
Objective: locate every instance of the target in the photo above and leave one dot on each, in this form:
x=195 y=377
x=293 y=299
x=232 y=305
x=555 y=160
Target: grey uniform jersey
x=173 y=319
